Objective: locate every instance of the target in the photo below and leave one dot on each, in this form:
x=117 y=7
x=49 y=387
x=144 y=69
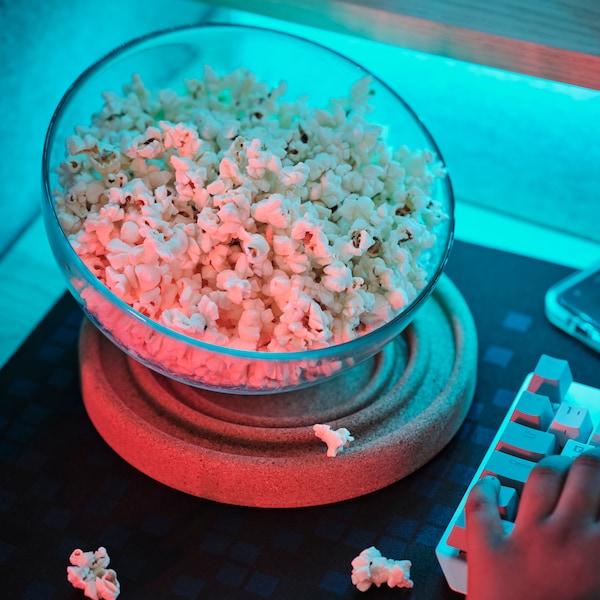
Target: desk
x=62 y=487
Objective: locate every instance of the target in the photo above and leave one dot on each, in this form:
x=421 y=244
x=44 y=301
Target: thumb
x=484 y=525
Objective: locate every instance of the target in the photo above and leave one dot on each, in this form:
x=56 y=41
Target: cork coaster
x=402 y=407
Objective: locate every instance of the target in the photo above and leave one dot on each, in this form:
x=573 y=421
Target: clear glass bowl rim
x=311 y=354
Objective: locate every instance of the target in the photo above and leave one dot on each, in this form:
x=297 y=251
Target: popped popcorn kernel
x=89 y=572
x=371 y=568
x=336 y=440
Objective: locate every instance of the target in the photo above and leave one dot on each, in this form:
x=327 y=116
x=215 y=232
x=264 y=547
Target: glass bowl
x=164 y=60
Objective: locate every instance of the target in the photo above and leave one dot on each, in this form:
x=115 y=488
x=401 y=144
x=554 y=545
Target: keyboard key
x=533 y=410
x=574 y=449
x=507 y=503
x=457 y=538
x=526 y=442
x=571 y=423
x=551 y=377
x=512 y=471
x=595 y=437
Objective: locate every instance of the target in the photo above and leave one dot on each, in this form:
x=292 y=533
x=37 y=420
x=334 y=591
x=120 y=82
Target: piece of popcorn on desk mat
x=371 y=568
x=89 y=572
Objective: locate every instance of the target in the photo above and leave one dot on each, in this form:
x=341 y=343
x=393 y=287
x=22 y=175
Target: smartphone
x=573 y=305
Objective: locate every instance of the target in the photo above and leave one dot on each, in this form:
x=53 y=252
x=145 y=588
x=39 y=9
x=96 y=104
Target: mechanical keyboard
x=551 y=414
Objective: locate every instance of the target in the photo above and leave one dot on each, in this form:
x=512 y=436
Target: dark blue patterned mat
x=62 y=487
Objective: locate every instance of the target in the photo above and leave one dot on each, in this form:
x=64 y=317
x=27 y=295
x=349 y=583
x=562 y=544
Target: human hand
x=554 y=548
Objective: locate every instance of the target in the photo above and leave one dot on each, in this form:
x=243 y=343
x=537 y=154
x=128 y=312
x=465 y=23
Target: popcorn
x=237 y=289
x=238 y=218
x=336 y=440
x=148 y=144
x=81 y=145
x=89 y=572
x=370 y=567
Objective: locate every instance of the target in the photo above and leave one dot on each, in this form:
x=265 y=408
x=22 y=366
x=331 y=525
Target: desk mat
x=62 y=487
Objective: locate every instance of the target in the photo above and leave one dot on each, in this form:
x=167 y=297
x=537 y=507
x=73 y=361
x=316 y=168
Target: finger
x=542 y=489
x=581 y=493
x=484 y=525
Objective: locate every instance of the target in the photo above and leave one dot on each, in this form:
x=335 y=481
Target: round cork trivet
x=402 y=407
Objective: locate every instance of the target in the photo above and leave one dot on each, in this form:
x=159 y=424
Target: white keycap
x=551 y=377
x=512 y=471
x=571 y=423
x=526 y=442
x=507 y=503
x=533 y=410
x=458 y=536
x=573 y=449
x=595 y=437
